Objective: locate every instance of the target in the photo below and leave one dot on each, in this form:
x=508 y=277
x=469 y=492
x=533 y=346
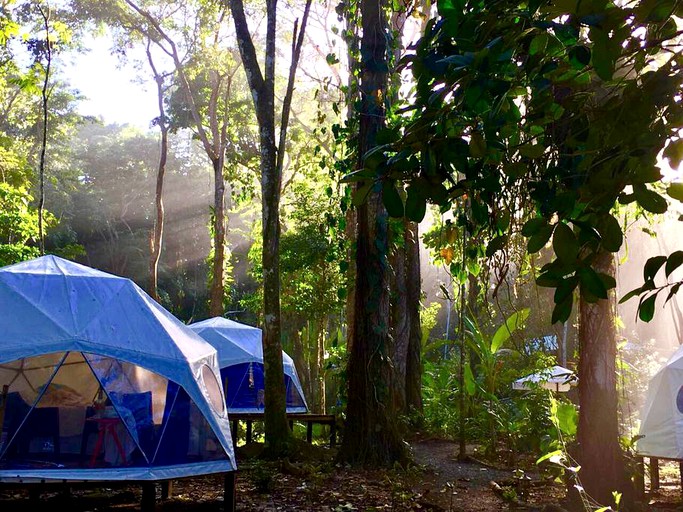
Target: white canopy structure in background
x=557 y=378
x=661 y=418
x=100 y=382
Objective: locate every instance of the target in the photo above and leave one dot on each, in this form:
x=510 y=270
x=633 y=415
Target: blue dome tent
x=240 y=357
x=98 y=382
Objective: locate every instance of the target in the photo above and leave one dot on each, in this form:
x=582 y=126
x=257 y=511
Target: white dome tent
x=661 y=418
x=556 y=378
x=101 y=383
x=240 y=357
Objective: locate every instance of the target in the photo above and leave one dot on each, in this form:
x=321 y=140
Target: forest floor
x=437 y=482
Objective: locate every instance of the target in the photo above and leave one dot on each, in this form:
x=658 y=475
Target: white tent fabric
x=557 y=378
x=240 y=343
x=661 y=418
x=50 y=305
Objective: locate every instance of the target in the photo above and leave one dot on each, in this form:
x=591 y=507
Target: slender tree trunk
x=599 y=454
x=414 y=293
x=218 y=264
x=43 y=148
x=371 y=433
x=158 y=233
x=319 y=362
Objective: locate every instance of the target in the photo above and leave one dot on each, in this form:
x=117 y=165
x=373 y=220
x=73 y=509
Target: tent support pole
x=229 y=492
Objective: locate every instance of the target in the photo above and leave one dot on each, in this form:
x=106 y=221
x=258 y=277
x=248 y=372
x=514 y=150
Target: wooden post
x=229 y=492
x=248 y=431
x=309 y=431
x=166 y=489
x=149 y=496
x=654 y=473
x=333 y=434
x=291 y=425
x=235 y=425
x=640 y=477
x=680 y=472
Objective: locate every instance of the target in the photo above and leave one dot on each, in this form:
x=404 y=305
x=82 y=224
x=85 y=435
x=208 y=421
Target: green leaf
x=567 y=418
x=477 y=145
x=675 y=190
x=392 y=201
x=591 y=282
x=674 y=261
x=646 y=308
x=496 y=245
x=470 y=383
x=360 y=195
x=565 y=289
x=533 y=226
x=514 y=321
x=538 y=44
x=631 y=294
x=652 y=266
x=563 y=310
x=539 y=239
x=551 y=455
x=650 y=200
x=610 y=232
x=416 y=205
x=673 y=152
x=565 y=244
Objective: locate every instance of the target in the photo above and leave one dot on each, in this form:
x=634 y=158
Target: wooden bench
x=308 y=419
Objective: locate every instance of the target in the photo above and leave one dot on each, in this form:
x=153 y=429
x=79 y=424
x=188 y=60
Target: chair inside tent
x=98 y=382
x=240 y=356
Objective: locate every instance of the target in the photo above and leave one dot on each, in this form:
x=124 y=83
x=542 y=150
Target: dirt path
x=467 y=486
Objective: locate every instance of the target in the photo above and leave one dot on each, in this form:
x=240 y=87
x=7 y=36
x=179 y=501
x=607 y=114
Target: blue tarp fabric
x=108 y=361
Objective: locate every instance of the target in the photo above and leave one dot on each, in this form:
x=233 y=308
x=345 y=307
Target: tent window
x=213 y=388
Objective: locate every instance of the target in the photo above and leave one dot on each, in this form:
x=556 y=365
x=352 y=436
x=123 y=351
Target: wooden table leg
x=229 y=492
x=654 y=473
x=248 y=431
x=309 y=431
x=166 y=489
x=235 y=425
x=333 y=434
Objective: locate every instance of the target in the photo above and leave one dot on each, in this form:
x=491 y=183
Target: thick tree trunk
x=413 y=296
x=400 y=325
x=599 y=454
x=217 y=291
x=371 y=434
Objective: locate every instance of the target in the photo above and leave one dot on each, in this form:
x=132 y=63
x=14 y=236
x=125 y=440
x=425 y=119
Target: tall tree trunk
x=413 y=297
x=319 y=362
x=371 y=433
x=400 y=324
x=218 y=264
x=158 y=232
x=599 y=454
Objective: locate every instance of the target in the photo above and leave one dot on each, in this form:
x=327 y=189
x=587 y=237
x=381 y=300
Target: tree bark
x=263 y=94
x=371 y=435
x=218 y=264
x=400 y=325
x=158 y=233
x=599 y=454
x=413 y=296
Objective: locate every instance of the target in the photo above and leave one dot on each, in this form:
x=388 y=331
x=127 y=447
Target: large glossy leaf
x=652 y=266
x=513 y=322
x=674 y=261
x=610 y=233
x=646 y=308
x=651 y=201
x=565 y=245
x=392 y=201
x=470 y=383
x=539 y=239
x=416 y=205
